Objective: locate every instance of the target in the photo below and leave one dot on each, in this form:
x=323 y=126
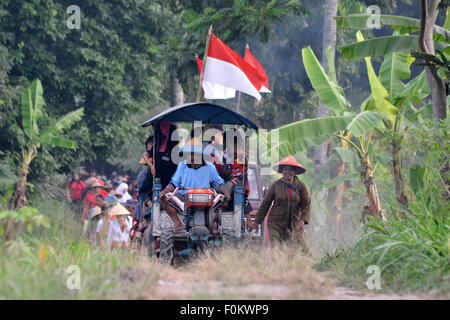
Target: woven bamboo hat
x=96 y=184
x=289 y=161
x=118 y=210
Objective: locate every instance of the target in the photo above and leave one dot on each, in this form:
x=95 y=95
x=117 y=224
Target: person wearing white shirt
x=119 y=232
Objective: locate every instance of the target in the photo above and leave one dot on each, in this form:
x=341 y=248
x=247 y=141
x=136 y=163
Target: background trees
x=116 y=66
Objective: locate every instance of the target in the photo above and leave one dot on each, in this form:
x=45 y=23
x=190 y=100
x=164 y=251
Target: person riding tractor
x=193 y=172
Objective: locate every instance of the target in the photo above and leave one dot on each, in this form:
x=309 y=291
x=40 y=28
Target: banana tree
x=354 y=130
x=32 y=110
x=393 y=97
x=431 y=38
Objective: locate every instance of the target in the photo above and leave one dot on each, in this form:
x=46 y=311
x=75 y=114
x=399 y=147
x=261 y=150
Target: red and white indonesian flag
x=226 y=68
x=248 y=56
x=214 y=90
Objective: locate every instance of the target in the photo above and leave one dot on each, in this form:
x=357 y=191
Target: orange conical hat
x=290 y=161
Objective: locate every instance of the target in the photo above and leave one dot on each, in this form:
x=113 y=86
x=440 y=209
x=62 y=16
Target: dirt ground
x=241 y=274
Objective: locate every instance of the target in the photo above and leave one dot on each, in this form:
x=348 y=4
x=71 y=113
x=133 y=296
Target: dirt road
x=241 y=274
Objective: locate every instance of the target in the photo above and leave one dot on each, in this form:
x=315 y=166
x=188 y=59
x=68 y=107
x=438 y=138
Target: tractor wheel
x=149 y=241
x=166 y=244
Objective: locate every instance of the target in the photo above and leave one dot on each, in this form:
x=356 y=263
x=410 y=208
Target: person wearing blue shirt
x=191 y=174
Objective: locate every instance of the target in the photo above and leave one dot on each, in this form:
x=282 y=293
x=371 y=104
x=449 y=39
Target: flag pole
x=238 y=102
x=205 y=56
x=239 y=93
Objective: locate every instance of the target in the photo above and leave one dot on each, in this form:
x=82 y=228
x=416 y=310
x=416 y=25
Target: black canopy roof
x=201 y=111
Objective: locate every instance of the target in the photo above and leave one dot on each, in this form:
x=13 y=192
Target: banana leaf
x=364 y=121
x=348 y=156
x=395 y=67
x=399 y=23
x=379 y=92
x=416 y=90
x=330 y=94
x=32 y=103
x=382 y=46
x=50 y=136
x=312 y=128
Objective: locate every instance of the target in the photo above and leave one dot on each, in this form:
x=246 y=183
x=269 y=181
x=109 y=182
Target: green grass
x=35 y=265
x=412 y=252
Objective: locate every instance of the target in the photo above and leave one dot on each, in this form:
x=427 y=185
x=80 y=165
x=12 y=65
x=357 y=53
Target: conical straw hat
x=118 y=210
x=289 y=161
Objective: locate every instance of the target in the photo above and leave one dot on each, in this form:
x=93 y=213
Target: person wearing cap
x=94 y=212
x=119 y=227
x=193 y=172
x=90 y=200
x=289 y=202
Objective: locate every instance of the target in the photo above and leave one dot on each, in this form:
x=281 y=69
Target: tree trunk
x=426 y=44
x=371 y=188
x=397 y=174
x=19 y=199
x=329 y=39
x=176 y=91
x=335 y=200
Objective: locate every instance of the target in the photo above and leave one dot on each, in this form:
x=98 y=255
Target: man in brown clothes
x=288 y=204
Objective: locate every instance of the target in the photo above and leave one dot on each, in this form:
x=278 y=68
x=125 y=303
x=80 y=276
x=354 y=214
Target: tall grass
x=412 y=251
x=35 y=266
x=246 y=271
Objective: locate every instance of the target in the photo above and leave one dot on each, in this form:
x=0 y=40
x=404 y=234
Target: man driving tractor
x=193 y=172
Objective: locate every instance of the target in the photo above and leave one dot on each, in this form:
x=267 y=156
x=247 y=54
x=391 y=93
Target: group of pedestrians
x=104 y=206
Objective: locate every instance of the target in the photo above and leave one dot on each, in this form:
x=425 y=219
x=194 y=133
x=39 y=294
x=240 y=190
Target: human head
x=121 y=219
x=100 y=200
x=233 y=142
x=108 y=187
x=149 y=143
x=288 y=172
x=93 y=173
x=193 y=162
x=76 y=176
x=95 y=187
x=97 y=190
x=290 y=161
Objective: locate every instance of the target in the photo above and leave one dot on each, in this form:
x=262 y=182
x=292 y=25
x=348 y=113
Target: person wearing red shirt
x=90 y=200
x=74 y=191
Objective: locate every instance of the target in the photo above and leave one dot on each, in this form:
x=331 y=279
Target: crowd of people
x=94 y=196
x=119 y=208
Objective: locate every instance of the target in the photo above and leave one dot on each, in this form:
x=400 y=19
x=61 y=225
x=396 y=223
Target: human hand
x=301 y=225
x=250 y=224
x=161 y=195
